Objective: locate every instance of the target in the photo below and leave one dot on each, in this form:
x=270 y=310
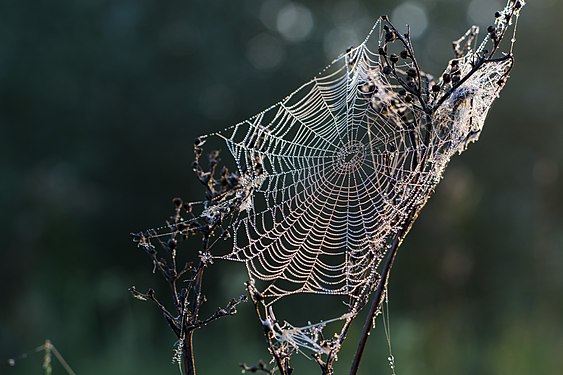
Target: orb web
x=335 y=170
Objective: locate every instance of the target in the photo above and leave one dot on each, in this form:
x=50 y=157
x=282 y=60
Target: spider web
x=333 y=172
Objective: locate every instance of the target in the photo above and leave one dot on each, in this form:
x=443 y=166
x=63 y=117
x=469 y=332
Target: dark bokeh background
x=100 y=101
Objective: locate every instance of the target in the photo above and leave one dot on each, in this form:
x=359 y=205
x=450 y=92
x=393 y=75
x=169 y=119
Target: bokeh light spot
x=265 y=51
x=295 y=22
x=413 y=15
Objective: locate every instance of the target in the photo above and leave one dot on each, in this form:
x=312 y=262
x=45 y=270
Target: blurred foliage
x=100 y=101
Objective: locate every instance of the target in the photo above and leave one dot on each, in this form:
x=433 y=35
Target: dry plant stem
x=382 y=285
x=483 y=60
x=327 y=367
x=187 y=319
x=417 y=91
x=47 y=358
x=150 y=296
x=377 y=300
x=478 y=65
x=49 y=350
x=281 y=363
x=422 y=96
x=406 y=42
x=60 y=358
x=188 y=354
x=187 y=349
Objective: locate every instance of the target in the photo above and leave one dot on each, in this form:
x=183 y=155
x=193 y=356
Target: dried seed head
x=178 y=202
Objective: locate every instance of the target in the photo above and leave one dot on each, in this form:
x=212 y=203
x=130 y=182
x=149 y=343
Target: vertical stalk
x=188 y=354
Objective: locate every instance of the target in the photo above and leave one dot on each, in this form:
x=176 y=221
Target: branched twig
x=279 y=354
x=414 y=75
x=189 y=298
x=150 y=296
x=230 y=309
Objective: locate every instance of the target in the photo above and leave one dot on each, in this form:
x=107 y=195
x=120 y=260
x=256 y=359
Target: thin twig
x=267 y=330
x=150 y=296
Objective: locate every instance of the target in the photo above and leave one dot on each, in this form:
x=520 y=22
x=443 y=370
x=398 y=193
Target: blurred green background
x=100 y=101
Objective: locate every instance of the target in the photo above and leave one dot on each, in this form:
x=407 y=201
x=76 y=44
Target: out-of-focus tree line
x=100 y=101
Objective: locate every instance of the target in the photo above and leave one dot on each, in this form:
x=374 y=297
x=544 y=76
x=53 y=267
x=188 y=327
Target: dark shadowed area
x=100 y=101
